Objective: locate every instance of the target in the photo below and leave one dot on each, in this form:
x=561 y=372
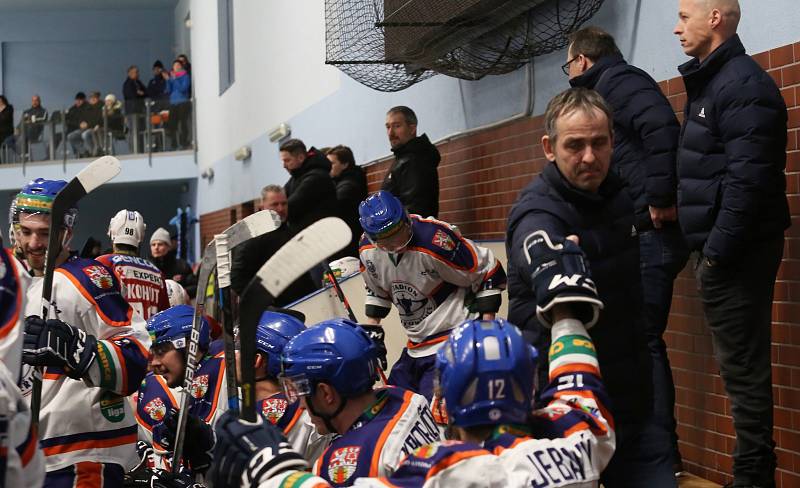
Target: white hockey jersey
x=432 y=283
x=90 y=420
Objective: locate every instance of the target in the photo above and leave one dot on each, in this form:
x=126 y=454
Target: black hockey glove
x=250 y=453
x=377 y=335
x=165 y=479
x=561 y=276
x=56 y=344
x=199 y=439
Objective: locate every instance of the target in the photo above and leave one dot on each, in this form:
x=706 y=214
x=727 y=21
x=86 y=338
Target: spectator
x=6 y=124
x=310 y=190
x=250 y=256
x=95 y=123
x=112 y=111
x=157 y=88
x=78 y=125
x=185 y=62
x=165 y=258
x=413 y=177
x=351 y=189
x=577 y=195
x=134 y=92
x=645 y=146
x=34 y=119
x=733 y=208
x=179 y=87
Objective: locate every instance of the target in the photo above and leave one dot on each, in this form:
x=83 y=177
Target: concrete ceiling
x=45 y=5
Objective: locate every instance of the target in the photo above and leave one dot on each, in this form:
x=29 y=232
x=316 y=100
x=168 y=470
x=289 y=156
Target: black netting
x=389 y=45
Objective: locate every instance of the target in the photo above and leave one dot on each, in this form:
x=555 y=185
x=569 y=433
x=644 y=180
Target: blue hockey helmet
x=37 y=198
x=273 y=332
x=337 y=352
x=486 y=371
x=174 y=325
x=382 y=216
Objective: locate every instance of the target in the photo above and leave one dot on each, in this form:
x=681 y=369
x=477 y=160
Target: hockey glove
x=199 y=439
x=250 y=453
x=377 y=335
x=164 y=479
x=561 y=276
x=56 y=344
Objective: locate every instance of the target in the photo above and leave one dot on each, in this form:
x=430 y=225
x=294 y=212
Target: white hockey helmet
x=127 y=227
x=176 y=293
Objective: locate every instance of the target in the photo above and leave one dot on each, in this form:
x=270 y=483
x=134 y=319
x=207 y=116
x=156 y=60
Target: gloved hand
x=165 y=479
x=249 y=453
x=199 y=441
x=561 y=276
x=376 y=333
x=57 y=344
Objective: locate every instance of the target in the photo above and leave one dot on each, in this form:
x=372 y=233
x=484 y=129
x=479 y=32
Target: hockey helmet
x=37 y=198
x=382 y=216
x=337 y=352
x=176 y=293
x=174 y=325
x=127 y=227
x=273 y=332
x=486 y=371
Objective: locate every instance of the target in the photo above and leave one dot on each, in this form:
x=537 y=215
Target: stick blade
x=98 y=172
x=312 y=245
x=252 y=226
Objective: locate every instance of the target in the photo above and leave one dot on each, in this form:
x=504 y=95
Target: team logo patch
x=426 y=452
x=411 y=303
x=112 y=406
x=371 y=268
x=273 y=409
x=199 y=386
x=343 y=463
x=99 y=276
x=443 y=240
x=156 y=409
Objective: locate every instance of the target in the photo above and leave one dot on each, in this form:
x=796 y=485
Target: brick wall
x=481 y=175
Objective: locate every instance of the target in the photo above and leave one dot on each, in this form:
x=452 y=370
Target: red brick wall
x=481 y=175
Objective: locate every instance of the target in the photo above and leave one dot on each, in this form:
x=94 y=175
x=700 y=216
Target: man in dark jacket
x=351 y=190
x=733 y=212
x=250 y=256
x=310 y=190
x=166 y=259
x=134 y=92
x=413 y=177
x=645 y=146
x=157 y=88
x=576 y=195
x=80 y=128
x=34 y=118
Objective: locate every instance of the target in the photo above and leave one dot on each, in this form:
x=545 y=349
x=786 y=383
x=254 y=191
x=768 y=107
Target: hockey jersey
x=14 y=282
x=90 y=420
x=293 y=420
x=143 y=284
x=433 y=283
x=396 y=424
x=153 y=400
x=208 y=395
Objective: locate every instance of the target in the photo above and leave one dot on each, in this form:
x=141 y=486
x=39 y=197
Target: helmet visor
x=394 y=242
x=295 y=386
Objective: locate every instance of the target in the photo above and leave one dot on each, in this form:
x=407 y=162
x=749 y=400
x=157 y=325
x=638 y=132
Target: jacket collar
x=610 y=186
x=728 y=50
x=590 y=78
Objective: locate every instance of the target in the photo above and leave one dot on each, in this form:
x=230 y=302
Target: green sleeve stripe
x=572 y=344
x=108 y=370
x=296 y=480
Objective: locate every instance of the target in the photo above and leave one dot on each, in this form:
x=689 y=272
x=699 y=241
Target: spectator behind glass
x=179 y=87
x=77 y=124
x=134 y=92
x=413 y=177
x=351 y=189
x=114 y=120
x=6 y=122
x=185 y=62
x=89 y=116
x=34 y=118
x=157 y=88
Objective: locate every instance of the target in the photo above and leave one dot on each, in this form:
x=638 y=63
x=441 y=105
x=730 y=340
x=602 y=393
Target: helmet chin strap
x=326 y=418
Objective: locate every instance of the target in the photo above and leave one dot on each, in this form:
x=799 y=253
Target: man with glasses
x=434 y=276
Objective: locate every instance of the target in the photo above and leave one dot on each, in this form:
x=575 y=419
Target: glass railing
x=159 y=127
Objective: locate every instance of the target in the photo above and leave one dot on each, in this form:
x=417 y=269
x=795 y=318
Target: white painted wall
x=280 y=54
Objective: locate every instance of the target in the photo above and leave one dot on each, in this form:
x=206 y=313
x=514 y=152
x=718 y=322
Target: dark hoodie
x=351 y=189
x=413 y=178
x=310 y=191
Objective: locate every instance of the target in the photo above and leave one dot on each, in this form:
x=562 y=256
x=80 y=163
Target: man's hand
x=378 y=336
x=661 y=215
x=250 y=453
x=56 y=344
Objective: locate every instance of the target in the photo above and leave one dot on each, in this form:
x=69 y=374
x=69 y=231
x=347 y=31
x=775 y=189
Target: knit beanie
x=161 y=234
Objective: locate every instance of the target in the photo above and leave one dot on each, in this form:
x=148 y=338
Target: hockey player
x=486 y=371
x=21 y=460
x=142 y=282
x=274 y=331
x=435 y=277
x=93 y=348
x=176 y=293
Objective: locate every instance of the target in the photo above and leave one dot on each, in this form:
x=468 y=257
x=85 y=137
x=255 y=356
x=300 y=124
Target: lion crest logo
x=99 y=276
x=343 y=463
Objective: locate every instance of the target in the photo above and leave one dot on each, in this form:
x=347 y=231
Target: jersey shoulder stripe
x=438 y=240
x=399 y=401
x=100 y=287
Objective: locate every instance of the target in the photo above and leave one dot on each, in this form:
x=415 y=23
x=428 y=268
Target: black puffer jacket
x=351 y=189
x=645 y=133
x=177 y=269
x=732 y=155
x=310 y=191
x=604 y=224
x=414 y=178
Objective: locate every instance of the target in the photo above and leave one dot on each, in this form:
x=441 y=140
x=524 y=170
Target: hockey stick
x=313 y=244
x=250 y=227
x=99 y=171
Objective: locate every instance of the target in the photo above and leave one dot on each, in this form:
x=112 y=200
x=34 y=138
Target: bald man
x=733 y=213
